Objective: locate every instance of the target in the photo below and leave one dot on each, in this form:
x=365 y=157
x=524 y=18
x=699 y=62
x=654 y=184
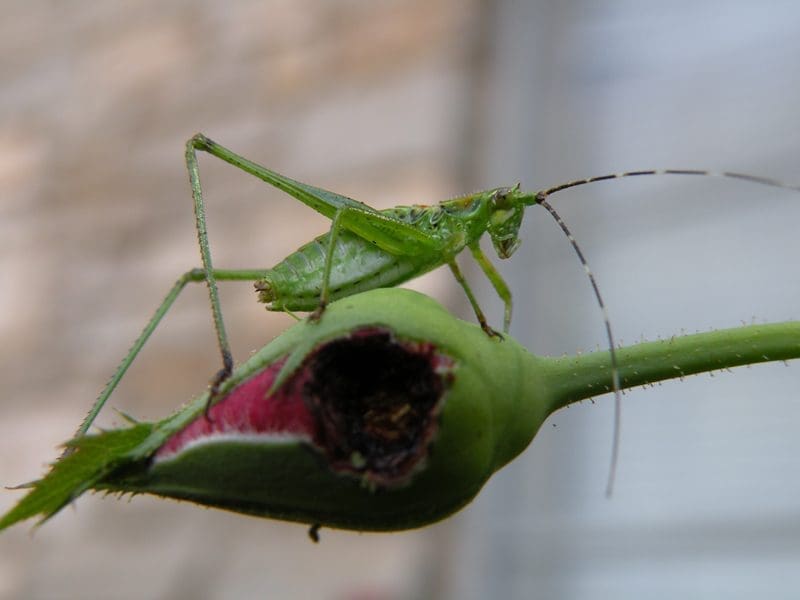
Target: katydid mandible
x=368 y=248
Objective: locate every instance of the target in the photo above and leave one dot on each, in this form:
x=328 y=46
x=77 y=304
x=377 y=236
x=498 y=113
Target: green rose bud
x=388 y=414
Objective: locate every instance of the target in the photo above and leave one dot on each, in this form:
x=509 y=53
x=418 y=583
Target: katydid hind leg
x=192 y=276
x=323 y=201
x=205 y=253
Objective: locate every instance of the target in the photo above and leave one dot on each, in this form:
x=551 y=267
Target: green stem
x=574 y=378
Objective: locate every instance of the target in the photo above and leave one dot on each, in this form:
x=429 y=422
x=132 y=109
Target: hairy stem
x=574 y=378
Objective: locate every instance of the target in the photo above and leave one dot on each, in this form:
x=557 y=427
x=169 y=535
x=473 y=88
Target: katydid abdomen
x=357 y=266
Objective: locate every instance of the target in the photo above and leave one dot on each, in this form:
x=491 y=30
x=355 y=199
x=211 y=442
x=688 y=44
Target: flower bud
x=387 y=414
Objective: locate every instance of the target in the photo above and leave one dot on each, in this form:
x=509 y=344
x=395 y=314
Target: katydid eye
x=501 y=199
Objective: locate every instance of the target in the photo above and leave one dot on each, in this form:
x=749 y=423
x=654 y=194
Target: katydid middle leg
x=326 y=274
x=472 y=300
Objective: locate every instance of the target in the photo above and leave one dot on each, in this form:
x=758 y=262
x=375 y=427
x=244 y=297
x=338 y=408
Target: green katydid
x=368 y=248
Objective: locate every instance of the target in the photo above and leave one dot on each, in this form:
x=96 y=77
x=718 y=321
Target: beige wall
x=96 y=102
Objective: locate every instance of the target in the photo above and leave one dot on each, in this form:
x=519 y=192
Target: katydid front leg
x=497 y=281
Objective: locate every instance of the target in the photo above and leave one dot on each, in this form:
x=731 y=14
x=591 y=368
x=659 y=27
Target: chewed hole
x=376 y=402
x=368 y=402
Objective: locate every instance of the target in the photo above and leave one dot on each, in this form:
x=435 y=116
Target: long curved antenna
x=701 y=173
x=615 y=382
x=615 y=378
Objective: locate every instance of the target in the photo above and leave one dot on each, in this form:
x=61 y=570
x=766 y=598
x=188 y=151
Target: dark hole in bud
x=376 y=401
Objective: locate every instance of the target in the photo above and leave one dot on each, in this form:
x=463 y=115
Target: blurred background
x=396 y=102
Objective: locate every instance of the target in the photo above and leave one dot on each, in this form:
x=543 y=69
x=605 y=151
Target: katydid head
x=507 y=209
